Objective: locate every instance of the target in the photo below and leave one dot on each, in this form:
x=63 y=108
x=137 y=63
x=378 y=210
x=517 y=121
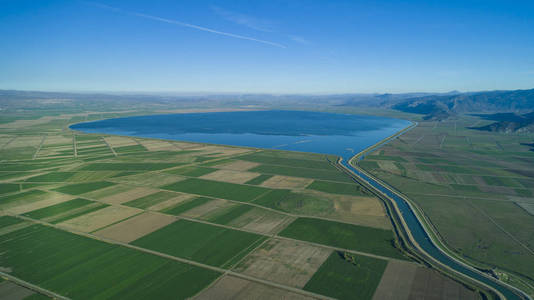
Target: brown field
x=50 y=198
x=132 y=194
x=262 y=220
x=396 y=281
x=108 y=191
x=286 y=182
x=367 y=211
x=155 y=179
x=100 y=218
x=429 y=284
x=230 y=287
x=135 y=227
x=230 y=176
x=119 y=141
x=171 y=202
x=207 y=208
x=238 y=165
x=11 y=291
x=288 y=262
x=156 y=145
x=25 y=141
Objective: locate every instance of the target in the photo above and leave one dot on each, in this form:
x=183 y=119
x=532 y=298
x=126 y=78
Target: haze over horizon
x=267 y=47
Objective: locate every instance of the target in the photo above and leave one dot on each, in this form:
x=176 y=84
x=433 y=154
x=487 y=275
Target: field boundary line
x=109 y=146
x=9 y=142
x=500 y=227
x=175 y=258
x=74 y=145
x=39 y=148
x=33 y=287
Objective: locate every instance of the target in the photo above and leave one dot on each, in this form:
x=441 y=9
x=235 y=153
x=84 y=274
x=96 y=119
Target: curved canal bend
x=423 y=239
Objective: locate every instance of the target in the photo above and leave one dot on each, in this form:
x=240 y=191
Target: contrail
x=169 y=21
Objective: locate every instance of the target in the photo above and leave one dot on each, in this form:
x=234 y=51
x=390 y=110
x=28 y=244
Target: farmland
x=166 y=219
x=475 y=187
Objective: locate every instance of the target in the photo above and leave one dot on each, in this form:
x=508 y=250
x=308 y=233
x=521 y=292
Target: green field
x=82 y=188
x=295 y=202
x=231 y=214
x=200 y=242
x=186 y=205
x=223 y=190
x=342 y=235
x=324 y=174
x=128 y=166
x=337 y=188
x=61 y=261
x=343 y=279
x=152 y=199
x=65 y=211
x=192 y=171
x=6 y=188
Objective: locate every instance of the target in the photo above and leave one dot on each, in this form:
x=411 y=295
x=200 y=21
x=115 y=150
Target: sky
x=270 y=46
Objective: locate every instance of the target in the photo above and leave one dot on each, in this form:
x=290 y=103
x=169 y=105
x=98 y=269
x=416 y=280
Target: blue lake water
x=327 y=133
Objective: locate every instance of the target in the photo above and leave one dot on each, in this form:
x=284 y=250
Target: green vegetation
x=342 y=278
x=192 y=171
x=259 y=180
x=200 y=242
x=186 y=205
x=342 y=235
x=60 y=261
x=65 y=211
x=81 y=188
x=151 y=166
x=223 y=190
x=149 y=200
x=231 y=214
x=6 y=188
x=324 y=174
x=293 y=202
x=353 y=189
x=51 y=177
x=273 y=158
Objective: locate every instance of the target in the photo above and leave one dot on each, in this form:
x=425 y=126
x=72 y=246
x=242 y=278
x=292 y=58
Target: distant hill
x=440 y=107
x=509 y=122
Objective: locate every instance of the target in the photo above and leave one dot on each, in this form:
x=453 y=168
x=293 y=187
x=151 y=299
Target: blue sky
x=266 y=46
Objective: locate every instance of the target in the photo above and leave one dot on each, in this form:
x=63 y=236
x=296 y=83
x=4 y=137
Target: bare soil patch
x=429 y=284
x=135 y=227
x=396 y=281
x=230 y=287
x=230 y=176
x=261 y=220
x=47 y=199
x=238 y=165
x=156 y=145
x=288 y=262
x=119 y=141
x=11 y=291
x=100 y=218
x=132 y=194
x=171 y=202
x=208 y=208
x=286 y=182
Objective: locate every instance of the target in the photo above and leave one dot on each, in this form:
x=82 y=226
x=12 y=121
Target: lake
x=318 y=132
